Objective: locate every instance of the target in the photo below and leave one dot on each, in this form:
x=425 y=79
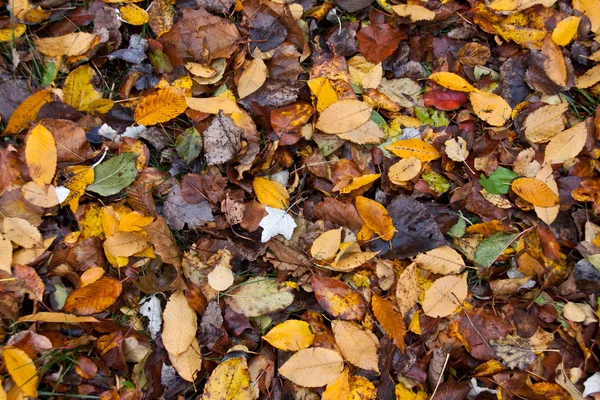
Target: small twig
x=441 y=375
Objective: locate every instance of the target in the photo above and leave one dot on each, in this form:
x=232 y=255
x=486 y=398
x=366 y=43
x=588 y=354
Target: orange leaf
x=95 y=297
x=535 y=191
x=376 y=217
x=390 y=319
x=27 y=111
x=161 y=106
x=414 y=148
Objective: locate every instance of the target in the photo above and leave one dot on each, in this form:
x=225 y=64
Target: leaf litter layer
x=251 y=199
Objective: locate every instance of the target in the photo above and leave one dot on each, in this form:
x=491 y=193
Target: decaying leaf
x=230 y=380
x=259 y=296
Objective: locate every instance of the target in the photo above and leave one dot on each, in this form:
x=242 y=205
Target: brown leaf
x=378 y=42
x=338 y=299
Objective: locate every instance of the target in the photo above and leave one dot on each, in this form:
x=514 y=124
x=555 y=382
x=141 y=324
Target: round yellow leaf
x=270 y=193
x=535 y=191
x=490 y=107
x=404 y=170
x=291 y=335
x=565 y=30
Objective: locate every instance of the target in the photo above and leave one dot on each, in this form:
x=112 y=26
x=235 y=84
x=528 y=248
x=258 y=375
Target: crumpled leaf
x=222 y=140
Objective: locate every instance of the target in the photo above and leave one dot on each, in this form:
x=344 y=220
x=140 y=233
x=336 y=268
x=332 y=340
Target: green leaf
x=458 y=230
x=378 y=119
x=490 y=249
x=499 y=181
x=114 y=175
x=188 y=145
x=49 y=74
x=437 y=182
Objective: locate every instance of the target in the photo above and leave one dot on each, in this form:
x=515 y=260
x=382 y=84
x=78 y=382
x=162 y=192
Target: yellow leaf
x=404 y=393
x=40 y=155
x=517 y=5
x=414 y=148
x=367 y=133
x=21 y=232
x=125 y=244
x=56 y=317
x=591 y=9
x=325 y=93
x=270 y=193
x=40 y=196
x=443 y=260
x=535 y=191
x=134 y=222
x=547 y=214
x=573 y=312
x=327 y=244
x=350 y=257
x=91 y=275
x=200 y=70
x=109 y=220
x=404 y=170
x=252 y=78
x=291 y=335
x=452 y=81
x=414 y=12
x=359 y=347
x=70 y=45
x=15 y=32
x=229 y=381
x=360 y=181
x=27 y=111
x=313 y=367
x=78 y=178
x=456 y=149
x=566 y=144
x=490 y=107
x=445 y=295
x=372 y=79
x=133 y=14
x=180 y=324
x=565 y=30
x=25 y=256
x=375 y=217
x=159 y=107
x=542 y=124
x=188 y=363
x=339 y=388
x=212 y=105
x=22 y=370
x=344 y=116
x=28 y=13
x=390 y=319
x=589 y=78
x=162 y=15
x=6 y=254
x=361 y=389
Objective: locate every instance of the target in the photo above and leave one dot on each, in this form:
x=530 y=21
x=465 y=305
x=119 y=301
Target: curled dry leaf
x=376 y=217
x=291 y=335
x=314 y=367
x=445 y=295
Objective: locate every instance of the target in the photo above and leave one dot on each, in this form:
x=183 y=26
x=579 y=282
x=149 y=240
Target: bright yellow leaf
x=133 y=14
x=565 y=30
x=270 y=193
x=452 y=81
x=78 y=177
x=291 y=335
x=22 y=370
x=40 y=155
x=360 y=181
x=79 y=92
x=27 y=111
x=159 y=107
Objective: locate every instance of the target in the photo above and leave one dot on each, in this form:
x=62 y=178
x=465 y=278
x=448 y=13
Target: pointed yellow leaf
x=27 y=111
x=414 y=12
x=78 y=178
x=125 y=244
x=375 y=217
x=565 y=30
x=414 y=148
x=180 y=324
x=41 y=155
x=535 y=191
x=212 y=105
x=22 y=370
x=445 y=295
x=327 y=244
x=188 y=363
x=359 y=346
x=252 y=78
x=72 y=44
x=159 y=107
x=451 y=81
x=442 y=260
x=229 y=381
x=566 y=144
x=313 y=367
x=404 y=170
x=270 y=193
x=360 y=181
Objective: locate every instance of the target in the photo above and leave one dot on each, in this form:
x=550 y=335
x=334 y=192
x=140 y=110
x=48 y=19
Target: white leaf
x=62 y=193
x=592 y=385
x=276 y=222
x=151 y=309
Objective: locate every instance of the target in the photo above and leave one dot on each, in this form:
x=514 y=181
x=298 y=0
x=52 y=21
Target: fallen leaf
x=573 y=312
x=94 y=298
x=270 y=193
x=112 y=176
x=213 y=105
x=452 y=81
x=535 y=191
x=367 y=133
x=188 y=363
x=445 y=295
x=343 y=116
x=79 y=92
x=56 y=317
x=544 y=123
x=566 y=144
x=26 y=112
x=259 y=296
x=276 y=222
x=358 y=346
x=376 y=217
x=133 y=14
x=220 y=278
x=443 y=260
x=338 y=299
x=180 y=324
x=456 y=149
x=490 y=107
x=70 y=45
x=326 y=245
x=230 y=380
x=252 y=78
x=565 y=30
x=589 y=78
x=291 y=335
x=6 y=254
x=491 y=248
x=222 y=140
x=390 y=319
x=313 y=367
x=518 y=352
x=21 y=232
x=414 y=12
x=22 y=370
x=160 y=107
x=359 y=182
x=41 y=155
x=404 y=170
x=339 y=388
x=125 y=244
x=414 y=148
